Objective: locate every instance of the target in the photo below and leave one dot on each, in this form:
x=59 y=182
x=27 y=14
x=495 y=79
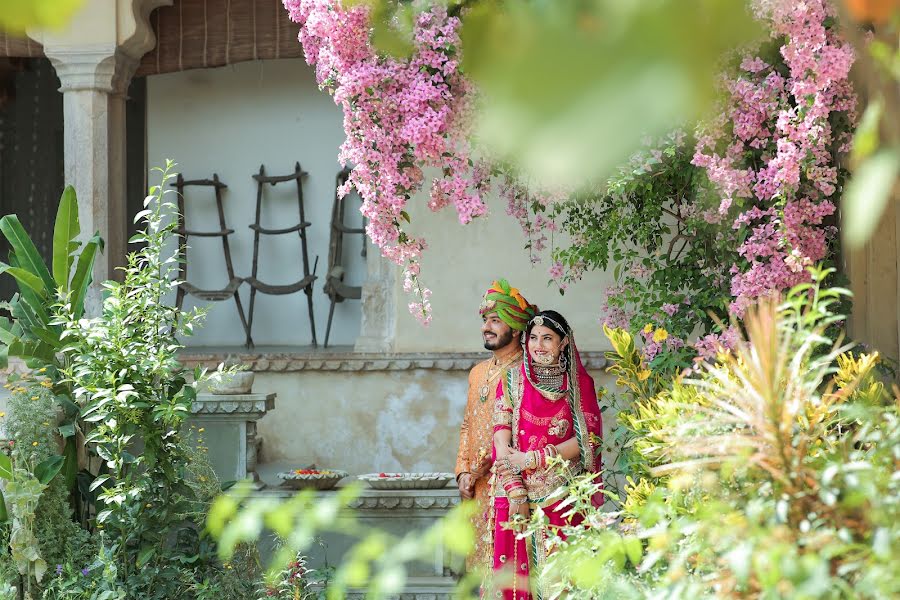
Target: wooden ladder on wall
x=185 y=288
x=309 y=277
x=335 y=288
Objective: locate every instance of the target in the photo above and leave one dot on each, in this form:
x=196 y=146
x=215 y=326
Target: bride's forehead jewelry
x=540 y=319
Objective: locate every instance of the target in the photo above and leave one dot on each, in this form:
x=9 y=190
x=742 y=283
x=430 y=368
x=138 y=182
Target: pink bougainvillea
x=401 y=116
x=770 y=154
x=773 y=149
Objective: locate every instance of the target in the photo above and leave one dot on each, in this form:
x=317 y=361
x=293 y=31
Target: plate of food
x=406 y=481
x=311 y=478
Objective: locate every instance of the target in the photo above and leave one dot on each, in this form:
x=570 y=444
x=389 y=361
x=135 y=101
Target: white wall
x=229 y=121
x=459 y=266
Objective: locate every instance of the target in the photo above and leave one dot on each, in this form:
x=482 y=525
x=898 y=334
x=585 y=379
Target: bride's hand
x=517 y=459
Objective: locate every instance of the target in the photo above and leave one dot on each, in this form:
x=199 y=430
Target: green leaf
x=4 y=514
x=27 y=253
x=47 y=336
x=70 y=452
x=145 y=555
x=867 y=194
x=70 y=409
x=24 y=278
x=633 y=549
x=5 y=467
x=65 y=234
x=47 y=470
x=28 y=350
x=81 y=281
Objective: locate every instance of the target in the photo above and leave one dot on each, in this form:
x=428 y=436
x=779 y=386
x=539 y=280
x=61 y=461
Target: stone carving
x=215 y=404
x=412 y=502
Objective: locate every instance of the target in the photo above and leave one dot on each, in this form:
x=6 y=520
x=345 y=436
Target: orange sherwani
x=475 y=443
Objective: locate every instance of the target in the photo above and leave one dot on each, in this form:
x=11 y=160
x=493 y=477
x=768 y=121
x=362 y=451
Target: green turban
x=508 y=303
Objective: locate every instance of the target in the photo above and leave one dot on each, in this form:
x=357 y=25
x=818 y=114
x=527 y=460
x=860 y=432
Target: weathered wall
x=404 y=420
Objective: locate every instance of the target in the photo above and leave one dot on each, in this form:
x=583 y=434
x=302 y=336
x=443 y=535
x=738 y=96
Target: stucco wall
x=366 y=422
x=229 y=120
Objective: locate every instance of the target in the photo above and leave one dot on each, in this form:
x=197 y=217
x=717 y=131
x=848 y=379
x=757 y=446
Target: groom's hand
x=466 y=484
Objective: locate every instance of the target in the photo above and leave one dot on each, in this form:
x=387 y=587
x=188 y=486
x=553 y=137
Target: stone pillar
x=93 y=82
x=379 y=296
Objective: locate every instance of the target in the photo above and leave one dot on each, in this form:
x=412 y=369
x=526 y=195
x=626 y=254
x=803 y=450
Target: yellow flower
x=660 y=335
x=47 y=384
x=46 y=424
x=648 y=327
x=42 y=370
x=643 y=375
x=2 y=414
x=201 y=430
x=7 y=385
x=34 y=443
x=35 y=398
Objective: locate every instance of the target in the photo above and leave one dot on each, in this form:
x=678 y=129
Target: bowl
x=321 y=480
x=240 y=382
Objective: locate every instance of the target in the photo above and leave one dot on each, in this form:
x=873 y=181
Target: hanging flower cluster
x=771 y=154
x=401 y=117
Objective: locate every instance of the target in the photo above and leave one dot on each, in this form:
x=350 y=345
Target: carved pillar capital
x=98 y=68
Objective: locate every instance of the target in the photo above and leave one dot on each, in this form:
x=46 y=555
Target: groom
x=504 y=315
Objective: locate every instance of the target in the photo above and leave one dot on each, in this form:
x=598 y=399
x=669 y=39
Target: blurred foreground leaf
x=18 y=15
x=867 y=194
x=568 y=89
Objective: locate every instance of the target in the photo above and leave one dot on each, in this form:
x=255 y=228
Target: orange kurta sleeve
x=464 y=455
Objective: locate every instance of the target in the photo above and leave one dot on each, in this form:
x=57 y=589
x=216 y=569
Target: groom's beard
x=501 y=341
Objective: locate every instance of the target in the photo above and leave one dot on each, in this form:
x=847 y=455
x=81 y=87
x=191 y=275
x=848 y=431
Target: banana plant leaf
x=65 y=238
x=48 y=469
x=81 y=281
x=27 y=253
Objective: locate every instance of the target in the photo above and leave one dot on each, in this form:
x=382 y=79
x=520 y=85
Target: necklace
x=494 y=370
x=547 y=379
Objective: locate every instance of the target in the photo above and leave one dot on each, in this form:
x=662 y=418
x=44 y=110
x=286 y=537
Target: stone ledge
x=286 y=361
x=390 y=500
x=315 y=360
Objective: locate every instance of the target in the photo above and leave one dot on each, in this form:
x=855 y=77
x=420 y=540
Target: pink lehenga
x=538 y=418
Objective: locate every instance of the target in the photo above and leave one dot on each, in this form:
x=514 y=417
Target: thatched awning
x=196 y=34
x=12 y=46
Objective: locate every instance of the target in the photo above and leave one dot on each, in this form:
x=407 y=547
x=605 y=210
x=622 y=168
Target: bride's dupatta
x=539 y=420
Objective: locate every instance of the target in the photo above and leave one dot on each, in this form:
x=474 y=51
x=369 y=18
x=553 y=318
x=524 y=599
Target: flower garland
x=401 y=116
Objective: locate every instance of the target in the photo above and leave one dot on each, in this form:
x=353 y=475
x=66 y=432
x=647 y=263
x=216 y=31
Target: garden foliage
x=771 y=472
